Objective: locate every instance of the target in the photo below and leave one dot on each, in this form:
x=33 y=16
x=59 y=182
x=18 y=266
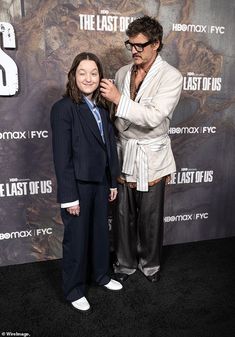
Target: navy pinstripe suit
x=86 y=168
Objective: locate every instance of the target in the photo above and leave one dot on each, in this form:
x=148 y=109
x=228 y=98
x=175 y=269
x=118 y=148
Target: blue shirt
x=95 y=111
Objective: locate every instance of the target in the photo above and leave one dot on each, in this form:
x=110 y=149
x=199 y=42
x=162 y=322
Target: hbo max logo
x=18 y=135
x=178 y=27
x=25 y=234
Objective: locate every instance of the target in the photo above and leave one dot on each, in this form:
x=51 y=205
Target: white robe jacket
x=144 y=147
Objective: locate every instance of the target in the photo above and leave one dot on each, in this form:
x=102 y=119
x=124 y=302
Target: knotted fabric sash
x=135 y=153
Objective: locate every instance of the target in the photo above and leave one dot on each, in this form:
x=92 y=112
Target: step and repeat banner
x=39 y=40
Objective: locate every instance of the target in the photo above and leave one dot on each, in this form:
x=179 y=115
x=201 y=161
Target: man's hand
x=168 y=179
x=109 y=91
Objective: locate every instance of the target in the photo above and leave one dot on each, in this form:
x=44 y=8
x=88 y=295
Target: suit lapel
x=89 y=120
x=104 y=122
x=149 y=77
x=106 y=129
x=126 y=85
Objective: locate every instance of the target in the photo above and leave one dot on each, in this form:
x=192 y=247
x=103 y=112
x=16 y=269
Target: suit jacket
x=148 y=116
x=78 y=149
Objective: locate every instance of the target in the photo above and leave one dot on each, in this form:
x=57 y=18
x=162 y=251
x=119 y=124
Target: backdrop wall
x=39 y=40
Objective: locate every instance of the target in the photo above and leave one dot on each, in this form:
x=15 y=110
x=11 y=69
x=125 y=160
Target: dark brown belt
x=134 y=184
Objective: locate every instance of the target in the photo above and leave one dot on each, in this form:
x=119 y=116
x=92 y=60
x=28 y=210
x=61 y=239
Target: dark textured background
x=48 y=37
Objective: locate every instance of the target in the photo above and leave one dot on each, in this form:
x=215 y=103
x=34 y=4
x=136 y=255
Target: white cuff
x=123 y=106
x=69 y=204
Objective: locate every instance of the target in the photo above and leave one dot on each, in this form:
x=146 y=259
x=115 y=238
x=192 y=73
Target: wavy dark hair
x=149 y=27
x=71 y=87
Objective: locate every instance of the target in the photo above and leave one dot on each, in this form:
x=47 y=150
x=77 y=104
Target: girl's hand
x=113 y=194
x=74 y=210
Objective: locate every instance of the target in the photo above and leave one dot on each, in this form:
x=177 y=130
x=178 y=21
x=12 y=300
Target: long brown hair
x=72 y=89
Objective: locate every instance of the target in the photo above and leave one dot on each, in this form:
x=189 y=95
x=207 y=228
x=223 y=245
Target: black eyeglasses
x=139 y=47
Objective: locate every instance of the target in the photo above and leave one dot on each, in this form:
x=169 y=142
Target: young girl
x=86 y=168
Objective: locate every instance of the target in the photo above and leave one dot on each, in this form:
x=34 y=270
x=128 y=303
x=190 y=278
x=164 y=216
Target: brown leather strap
x=134 y=184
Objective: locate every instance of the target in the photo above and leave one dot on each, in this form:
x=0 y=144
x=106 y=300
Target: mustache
x=135 y=54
